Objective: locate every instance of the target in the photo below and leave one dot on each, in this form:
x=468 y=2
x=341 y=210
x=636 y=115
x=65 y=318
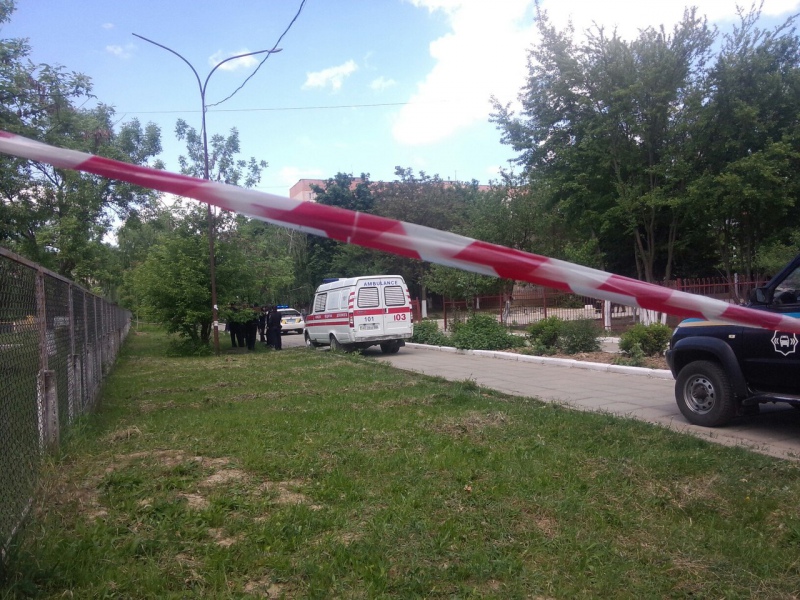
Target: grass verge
x=312 y=474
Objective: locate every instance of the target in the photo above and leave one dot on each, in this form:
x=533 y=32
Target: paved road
x=644 y=394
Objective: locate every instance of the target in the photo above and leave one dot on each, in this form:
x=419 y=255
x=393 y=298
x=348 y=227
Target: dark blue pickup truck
x=723 y=371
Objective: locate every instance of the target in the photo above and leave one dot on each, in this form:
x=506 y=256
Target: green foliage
x=634 y=357
x=456 y=283
x=553 y=334
x=684 y=149
x=184 y=346
x=223 y=166
x=483 y=332
x=543 y=334
x=579 y=336
x=427 y=332
x=172 y=285
x=651 y=339
x=268 y=272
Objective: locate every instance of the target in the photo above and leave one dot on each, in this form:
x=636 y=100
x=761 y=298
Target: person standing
x=231 y=325
x=274 y=328
x=251 y=328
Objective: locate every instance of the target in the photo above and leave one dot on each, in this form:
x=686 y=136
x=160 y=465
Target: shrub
x=427 y=332
x=188 y=347
x=483 y=332
x=579 y=336
x=632 y=358
x=652 y=339
x=544 y=334
x=552 y=335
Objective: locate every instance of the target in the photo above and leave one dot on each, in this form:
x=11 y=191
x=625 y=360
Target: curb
x=548 y=360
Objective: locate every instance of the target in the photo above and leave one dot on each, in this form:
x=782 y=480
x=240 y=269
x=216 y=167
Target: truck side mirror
x=760 y=295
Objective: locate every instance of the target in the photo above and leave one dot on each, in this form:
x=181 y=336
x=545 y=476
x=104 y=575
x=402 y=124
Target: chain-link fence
x=56 y=342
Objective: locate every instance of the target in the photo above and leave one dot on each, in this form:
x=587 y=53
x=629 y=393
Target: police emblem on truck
x=784 y=343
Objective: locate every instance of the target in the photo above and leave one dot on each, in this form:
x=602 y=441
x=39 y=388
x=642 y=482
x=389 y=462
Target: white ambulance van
x=359 y=312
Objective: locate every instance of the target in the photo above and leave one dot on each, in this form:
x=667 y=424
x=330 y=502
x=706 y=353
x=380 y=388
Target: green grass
x=311 y=474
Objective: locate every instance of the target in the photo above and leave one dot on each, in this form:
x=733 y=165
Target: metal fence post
x=47 y=401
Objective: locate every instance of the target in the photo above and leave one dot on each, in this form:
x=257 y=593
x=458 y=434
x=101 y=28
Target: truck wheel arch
x=691 y=349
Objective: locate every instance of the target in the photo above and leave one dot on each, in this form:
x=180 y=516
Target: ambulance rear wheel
x=390 y=347
x=335 y=345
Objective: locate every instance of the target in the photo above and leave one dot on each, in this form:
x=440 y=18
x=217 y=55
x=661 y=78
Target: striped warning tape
x=406 y=239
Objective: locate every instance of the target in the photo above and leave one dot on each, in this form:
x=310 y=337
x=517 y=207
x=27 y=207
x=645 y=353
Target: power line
x=277 y=109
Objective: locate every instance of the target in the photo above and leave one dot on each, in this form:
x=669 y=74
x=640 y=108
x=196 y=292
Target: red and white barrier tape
x=406 y=239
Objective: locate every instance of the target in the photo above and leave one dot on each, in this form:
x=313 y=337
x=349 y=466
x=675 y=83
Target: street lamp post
x=202 y=86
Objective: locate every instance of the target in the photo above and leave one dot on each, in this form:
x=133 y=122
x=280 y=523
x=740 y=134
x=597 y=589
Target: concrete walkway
x=644 y=394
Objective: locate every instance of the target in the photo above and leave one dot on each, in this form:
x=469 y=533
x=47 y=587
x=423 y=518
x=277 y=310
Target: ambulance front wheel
x=309 y=342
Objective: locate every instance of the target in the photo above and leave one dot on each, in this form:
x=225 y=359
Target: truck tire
x=704 y=394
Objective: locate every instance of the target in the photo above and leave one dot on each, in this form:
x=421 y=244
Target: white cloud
x=485 y=52
x=382 y=83
x=123 y=52
x=246 y=62
x=107 y=26
x=482 y=55
x=332 y=77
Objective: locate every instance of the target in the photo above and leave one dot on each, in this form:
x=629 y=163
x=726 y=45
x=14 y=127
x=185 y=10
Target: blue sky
x=360 y=85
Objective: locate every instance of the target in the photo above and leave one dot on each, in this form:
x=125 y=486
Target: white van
x=360 y=312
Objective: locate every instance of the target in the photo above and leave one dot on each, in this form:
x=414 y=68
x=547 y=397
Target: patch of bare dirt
x=221 y=538
x=266 y=588
x=286 y=493
x=471 y=423
x=224 y=476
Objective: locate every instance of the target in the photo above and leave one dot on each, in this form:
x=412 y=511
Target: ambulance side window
x=343 y=305
x=333 y=301
x=368 y=298
x=394 y=295
x=319 y=303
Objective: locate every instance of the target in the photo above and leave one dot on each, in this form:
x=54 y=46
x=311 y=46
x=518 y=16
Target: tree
x=172 y=282
x=424 y=200
x=329 y=258
x=456 y=283
x=602 y=132
x=171 y=285
x=748 y=144
x=223 y=166
x=270 y=254
x=56 y=217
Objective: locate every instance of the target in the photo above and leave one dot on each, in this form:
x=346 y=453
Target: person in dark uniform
x=251 y=328
x=232 y=326
x=274 y=328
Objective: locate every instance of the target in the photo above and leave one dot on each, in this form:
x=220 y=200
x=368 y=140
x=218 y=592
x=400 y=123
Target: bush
x=579 y=336
x=651 y=339
x=427 y=332
x=633 y=358
x=188 y=347
x=484 y=332
x=545 y=333
x=552 y=335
